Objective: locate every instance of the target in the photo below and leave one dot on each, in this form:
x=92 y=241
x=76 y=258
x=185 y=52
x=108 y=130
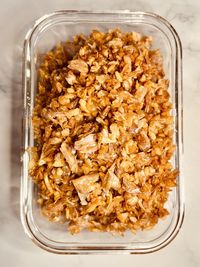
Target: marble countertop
x=15 y=248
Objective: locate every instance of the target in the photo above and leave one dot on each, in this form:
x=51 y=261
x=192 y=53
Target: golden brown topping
x=104 y=133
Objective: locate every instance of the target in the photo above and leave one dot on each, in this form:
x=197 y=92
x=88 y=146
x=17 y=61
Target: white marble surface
x=15 y=248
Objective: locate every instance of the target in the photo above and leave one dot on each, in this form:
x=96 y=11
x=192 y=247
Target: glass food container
x=60 y=26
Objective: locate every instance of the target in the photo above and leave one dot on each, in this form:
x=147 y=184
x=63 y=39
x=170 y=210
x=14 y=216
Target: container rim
x=45 y=17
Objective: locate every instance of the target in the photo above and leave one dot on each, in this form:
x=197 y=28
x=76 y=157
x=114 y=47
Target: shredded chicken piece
x=113 y=180
x=86 y=144
x=84 y=185
x=79 y=65
x=69 y=157
x=48 y=184
x=103 y=133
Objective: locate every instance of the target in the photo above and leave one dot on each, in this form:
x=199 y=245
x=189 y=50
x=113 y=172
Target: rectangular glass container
x=42 y=37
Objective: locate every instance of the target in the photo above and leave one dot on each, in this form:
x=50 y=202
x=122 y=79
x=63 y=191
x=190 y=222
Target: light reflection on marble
x=15 y=18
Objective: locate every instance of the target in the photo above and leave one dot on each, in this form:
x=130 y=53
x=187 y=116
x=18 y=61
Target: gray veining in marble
x=15 y=18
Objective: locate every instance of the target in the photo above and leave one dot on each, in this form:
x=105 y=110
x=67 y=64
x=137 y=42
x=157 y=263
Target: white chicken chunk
x=69 y=157
x=86 y=144
x=84 y=185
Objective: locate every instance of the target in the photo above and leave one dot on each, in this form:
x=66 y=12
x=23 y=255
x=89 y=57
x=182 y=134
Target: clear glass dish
x=59 y=26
